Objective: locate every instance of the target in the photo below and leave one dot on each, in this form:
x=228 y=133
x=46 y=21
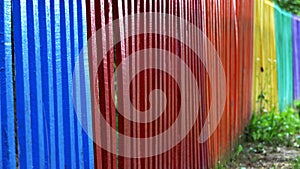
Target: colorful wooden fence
x=228 y=25
x=40 y=42
x=276 y=57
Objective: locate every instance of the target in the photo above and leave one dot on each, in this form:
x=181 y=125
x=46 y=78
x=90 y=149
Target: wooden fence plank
x=284 y=57
x=296 y=56
x=265 y=69
x=7 y=124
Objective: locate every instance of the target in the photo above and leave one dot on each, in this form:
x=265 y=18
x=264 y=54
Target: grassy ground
x=263 y=157
x=271 y=141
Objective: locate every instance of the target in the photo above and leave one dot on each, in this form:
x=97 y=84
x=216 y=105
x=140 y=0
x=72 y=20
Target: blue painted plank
x=88 y=90
x=66 y=82
x=2 y=74
x=65 y=101
x=7 y=127
x=23 y=103
x=50 y=117
x=79 y=127
x=32 y=83
x=59 y=132
x=85 y=88
x=38 y=81
x=69 y=72
x=82 y=93
x=35 y=84
x=75 y=51
x=47 y=82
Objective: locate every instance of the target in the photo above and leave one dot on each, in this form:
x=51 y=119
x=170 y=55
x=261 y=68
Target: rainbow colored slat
x=296 y=56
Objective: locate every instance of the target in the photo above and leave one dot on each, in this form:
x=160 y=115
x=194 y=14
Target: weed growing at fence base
x=275 y=128
x=268 y=136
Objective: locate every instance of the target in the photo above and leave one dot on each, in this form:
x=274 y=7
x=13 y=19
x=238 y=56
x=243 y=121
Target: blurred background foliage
x=292 y=6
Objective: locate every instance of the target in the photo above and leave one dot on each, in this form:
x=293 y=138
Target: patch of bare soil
x=265 y=157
